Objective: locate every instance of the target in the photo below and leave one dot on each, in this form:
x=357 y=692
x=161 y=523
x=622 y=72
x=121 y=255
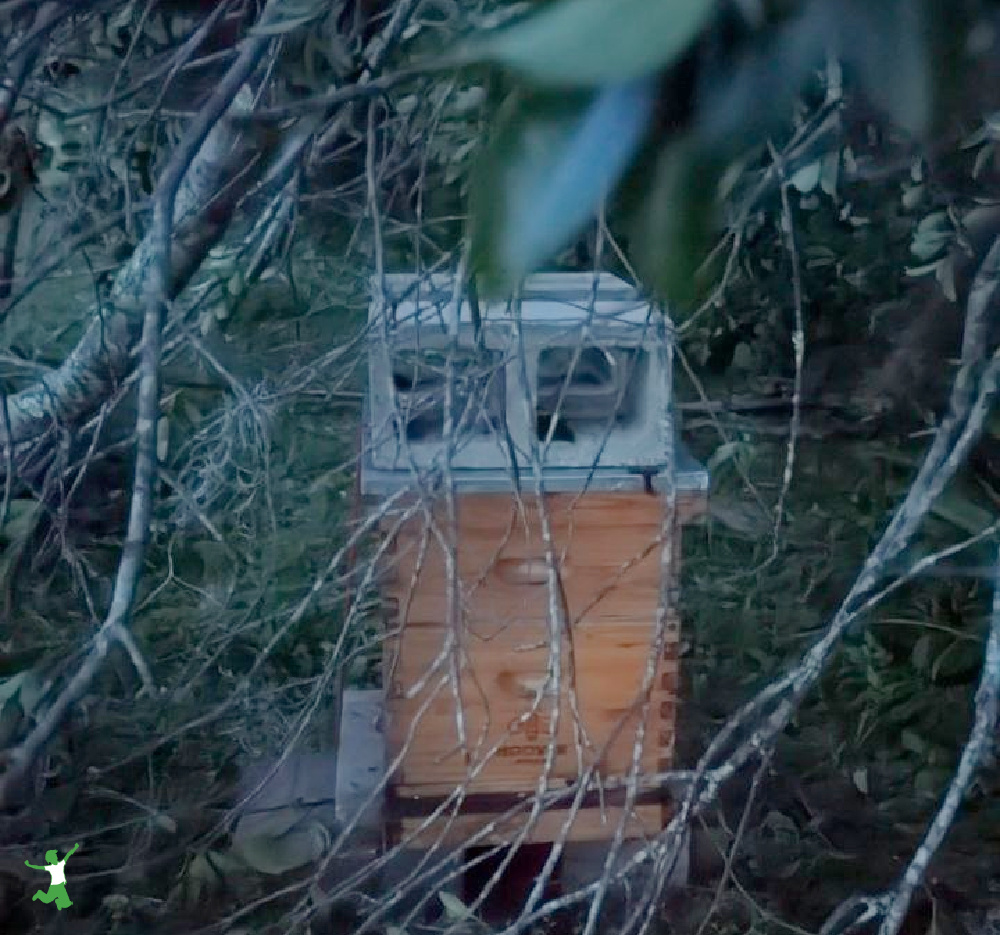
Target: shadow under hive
x=522 y=646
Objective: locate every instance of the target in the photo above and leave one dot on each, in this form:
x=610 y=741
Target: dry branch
x=194 y=204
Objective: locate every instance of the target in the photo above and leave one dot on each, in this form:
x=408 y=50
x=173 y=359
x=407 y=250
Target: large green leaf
x=551 y=162
x=585 y=43
x=674 y=223
x=888 y=44
x=747 y=96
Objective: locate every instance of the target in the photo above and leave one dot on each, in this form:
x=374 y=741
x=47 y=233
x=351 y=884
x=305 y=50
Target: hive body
x=472 y=690
x=531 y=644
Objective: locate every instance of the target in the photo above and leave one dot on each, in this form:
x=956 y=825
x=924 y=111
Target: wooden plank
x=494 y=685
x=610 y=655
x=589 y=825
x=587 y=598
x=511 y=756
x=498 y=518
x=483 y=612
x=616 y=573
x=483 y=554
x=607 y=509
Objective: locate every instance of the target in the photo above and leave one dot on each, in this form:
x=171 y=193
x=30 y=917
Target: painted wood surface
x=473 y=683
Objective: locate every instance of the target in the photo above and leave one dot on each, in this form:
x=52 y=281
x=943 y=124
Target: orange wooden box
x=471 y=671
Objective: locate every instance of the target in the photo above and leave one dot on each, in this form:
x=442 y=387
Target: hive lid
x=574 y=377
x=689 y=475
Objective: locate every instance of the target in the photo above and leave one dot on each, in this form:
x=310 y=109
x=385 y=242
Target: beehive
x=522 y=567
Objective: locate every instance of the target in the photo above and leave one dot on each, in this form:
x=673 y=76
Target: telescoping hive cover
x=570 y=382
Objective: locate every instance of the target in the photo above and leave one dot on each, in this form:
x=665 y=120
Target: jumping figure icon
x=57 y=887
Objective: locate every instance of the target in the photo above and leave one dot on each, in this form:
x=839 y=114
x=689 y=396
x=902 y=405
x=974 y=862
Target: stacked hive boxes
x=532 y=638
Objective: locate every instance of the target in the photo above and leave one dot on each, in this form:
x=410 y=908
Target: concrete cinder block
x=361 y=767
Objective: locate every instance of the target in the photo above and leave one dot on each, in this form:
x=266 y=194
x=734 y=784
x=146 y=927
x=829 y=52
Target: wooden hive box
x=493 y=639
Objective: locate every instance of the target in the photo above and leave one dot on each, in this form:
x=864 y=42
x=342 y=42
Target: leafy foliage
x=725 y=85
x=587 y=43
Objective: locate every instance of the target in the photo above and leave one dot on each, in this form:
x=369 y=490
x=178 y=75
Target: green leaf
x=988 y=132
x=25 y=687
x=552 y=161
x=746 y=99
x=928 y=245
x=23 y=517
x=807 y=178
x=907 y=710
x=944 y=272
x=675 y=221
x=207 y=873
x=286 y=17
x=11 y=721
x=911 y=741
x=913 y=196
x=887 y=43
x=963 y=658
x=728 y=451
x=830 y=174
x=454 y=908
x=920 y=656
x=935 y=222
x=958 y=505
x=585 y=43
x=930 y=781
